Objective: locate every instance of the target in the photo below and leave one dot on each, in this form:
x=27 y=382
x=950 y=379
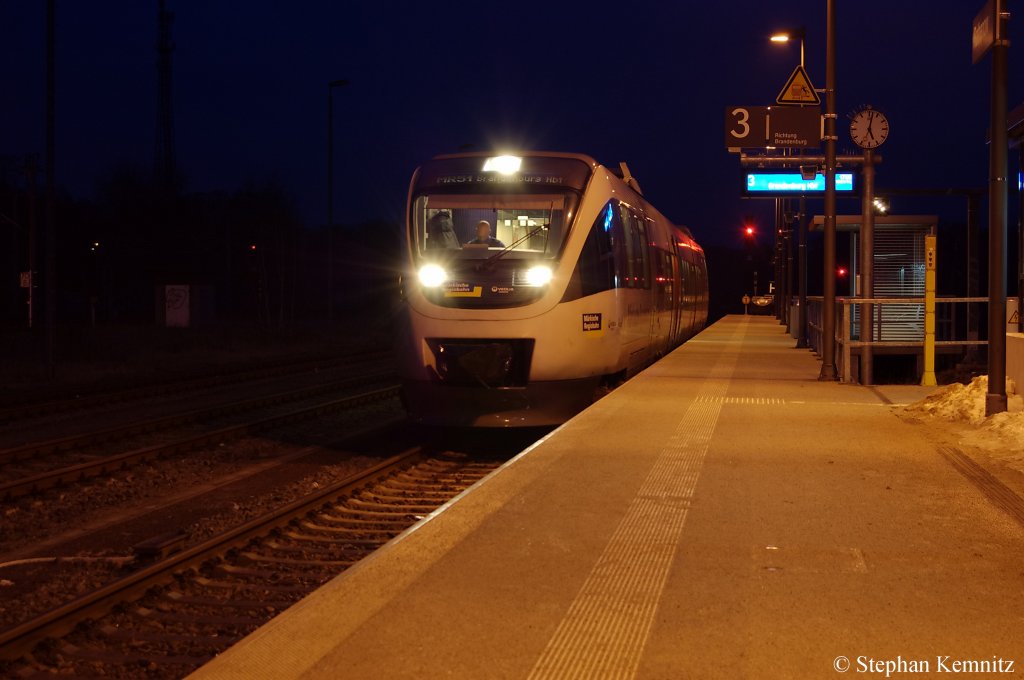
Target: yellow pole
x=928 y=377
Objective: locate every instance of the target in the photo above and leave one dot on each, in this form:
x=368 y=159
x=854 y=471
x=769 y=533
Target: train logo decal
x=592 y=324
x=461 y=289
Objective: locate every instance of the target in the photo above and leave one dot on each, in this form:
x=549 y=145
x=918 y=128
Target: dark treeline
x=246 y=254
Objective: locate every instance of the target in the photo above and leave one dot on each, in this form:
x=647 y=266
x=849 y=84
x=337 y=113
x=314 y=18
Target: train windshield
x=508 y=207
x=479 y=226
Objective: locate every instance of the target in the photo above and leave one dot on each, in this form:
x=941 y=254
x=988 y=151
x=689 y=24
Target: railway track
x=31 y=483
x=169 y=617
x=9 y=413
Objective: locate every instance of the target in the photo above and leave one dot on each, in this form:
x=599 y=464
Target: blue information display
x=792 y=184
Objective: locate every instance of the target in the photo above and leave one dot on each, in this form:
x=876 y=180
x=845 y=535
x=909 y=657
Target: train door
x=666 y=308
x=636 y=277
x=672 y=272
x=693 y=294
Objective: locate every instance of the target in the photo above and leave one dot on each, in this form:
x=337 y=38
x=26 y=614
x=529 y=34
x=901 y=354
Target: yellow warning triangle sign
x=798 y=90
x=1015 y=318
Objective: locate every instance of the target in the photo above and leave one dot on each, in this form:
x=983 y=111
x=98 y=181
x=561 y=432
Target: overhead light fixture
x=505 y=165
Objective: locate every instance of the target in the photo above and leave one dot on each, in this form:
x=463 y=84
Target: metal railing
x=898 y=322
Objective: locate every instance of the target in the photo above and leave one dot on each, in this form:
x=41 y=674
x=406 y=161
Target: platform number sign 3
x=742 y=129
x=746 y=126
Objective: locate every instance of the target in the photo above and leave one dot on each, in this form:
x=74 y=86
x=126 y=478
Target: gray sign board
x=794 y=127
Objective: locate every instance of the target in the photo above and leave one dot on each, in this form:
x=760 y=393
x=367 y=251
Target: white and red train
x=582 y=284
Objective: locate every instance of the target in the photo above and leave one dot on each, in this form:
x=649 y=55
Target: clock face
x=869 y=128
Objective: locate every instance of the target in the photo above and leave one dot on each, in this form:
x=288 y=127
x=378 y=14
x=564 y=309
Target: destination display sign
x=466 y=174
x=776 y=184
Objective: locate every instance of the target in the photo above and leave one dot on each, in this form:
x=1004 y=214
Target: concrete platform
x=722 y=515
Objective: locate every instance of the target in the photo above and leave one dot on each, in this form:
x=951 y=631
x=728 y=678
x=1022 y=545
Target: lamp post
x=995 y=398
x=783 y=37
x=828 y=304
x=794 y=34
x=330 y=194
x=50 y=224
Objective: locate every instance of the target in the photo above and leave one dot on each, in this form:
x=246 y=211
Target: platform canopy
x=907 y=222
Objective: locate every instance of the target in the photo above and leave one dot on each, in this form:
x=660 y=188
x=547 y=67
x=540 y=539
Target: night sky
x=644 y=82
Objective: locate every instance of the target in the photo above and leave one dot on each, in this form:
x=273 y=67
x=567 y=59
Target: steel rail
x=18 y=641
x=170 y=387
x=71 y=442
x=74 y=473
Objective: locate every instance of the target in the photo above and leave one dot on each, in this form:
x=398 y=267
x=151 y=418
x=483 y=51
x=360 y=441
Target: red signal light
x=748 y=231
x=841 y=271
x=252 y=246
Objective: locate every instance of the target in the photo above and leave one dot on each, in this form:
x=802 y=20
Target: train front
x=486 y=236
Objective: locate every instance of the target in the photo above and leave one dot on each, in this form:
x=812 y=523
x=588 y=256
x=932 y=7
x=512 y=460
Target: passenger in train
x=441 y=232
x=483 y=236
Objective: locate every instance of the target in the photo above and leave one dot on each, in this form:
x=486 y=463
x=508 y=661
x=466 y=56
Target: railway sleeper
x=451 y=467
x=391 y=524
x=336 y=542
x=422 y=509
x=192 y=618
x=157 y=637
x=330 y=549
x=179 y=598
x=339 y=535
x=241 y=586
x=257 y=558
x=413 y=498
x=425 y=481
x=417 y=487
x=298 y=577
x=335 y=564
x=119 y=658
x=363 y=524
x=411 y=517
x=427 y=478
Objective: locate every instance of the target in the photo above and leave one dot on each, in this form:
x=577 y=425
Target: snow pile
x=966 y=404
x=1007 y=428
x=956 y=402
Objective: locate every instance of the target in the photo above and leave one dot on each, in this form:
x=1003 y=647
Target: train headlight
x=432 y=275
x=540 y=275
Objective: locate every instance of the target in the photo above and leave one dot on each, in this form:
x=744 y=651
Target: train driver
x=483 y=236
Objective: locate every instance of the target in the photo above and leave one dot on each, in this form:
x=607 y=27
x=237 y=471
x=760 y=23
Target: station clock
x=869 y=128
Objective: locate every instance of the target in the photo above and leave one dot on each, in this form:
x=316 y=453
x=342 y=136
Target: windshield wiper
x=486 y=264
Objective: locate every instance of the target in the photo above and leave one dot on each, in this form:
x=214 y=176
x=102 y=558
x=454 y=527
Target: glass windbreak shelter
x=898 y=272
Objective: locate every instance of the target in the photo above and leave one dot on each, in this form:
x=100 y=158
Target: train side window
x=636 y=259
x=686 y=278
x=629 y=273
x=597 y=260
x=644 y=248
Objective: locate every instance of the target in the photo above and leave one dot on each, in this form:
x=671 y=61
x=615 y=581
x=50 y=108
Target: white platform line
x=604 y=631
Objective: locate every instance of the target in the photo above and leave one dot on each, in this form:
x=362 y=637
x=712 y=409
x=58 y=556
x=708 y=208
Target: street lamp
x=330 y=194
x=782 y=205
x=794 y=34
x=828 y=312
x=828 y=293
